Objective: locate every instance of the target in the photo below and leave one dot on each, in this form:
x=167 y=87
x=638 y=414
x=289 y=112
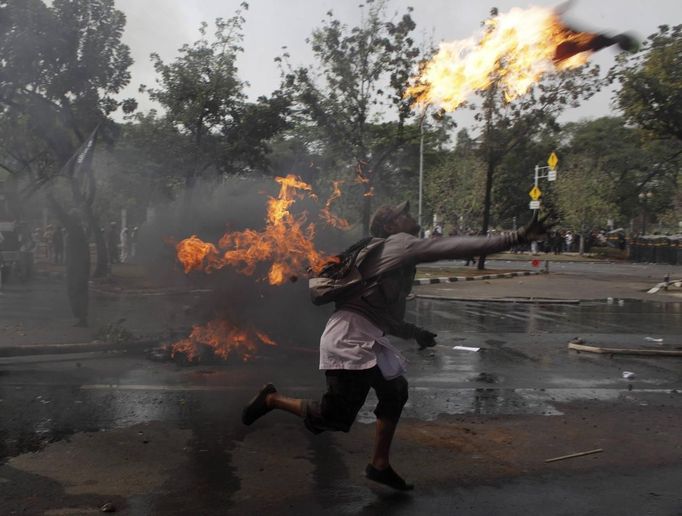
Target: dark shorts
x=346 y=394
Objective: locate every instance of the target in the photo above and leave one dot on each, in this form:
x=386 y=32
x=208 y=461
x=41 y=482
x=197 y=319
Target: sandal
x=258 y=407
x=388 y=477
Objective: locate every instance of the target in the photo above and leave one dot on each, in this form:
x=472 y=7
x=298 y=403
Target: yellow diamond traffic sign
x=535 y=193
x=552 y=160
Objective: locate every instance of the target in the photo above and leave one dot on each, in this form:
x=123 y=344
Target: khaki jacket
x=392 y=267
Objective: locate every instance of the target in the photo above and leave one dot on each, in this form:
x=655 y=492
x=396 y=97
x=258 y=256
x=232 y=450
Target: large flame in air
x=286 y=242
x=223 y=338
x=515 y=48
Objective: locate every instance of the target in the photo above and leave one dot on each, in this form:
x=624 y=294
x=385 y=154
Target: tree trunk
x=489 y=113
x=487 y=203
x=102 y=262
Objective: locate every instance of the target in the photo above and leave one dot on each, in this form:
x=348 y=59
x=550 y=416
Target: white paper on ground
x=465 y=348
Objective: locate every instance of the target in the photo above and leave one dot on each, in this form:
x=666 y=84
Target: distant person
x=113 y=239
x=125 y=244
x=568 y=239
x=437 y=231
x=133 y=242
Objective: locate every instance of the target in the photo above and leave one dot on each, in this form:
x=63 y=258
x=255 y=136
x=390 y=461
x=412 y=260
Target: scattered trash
x=573 y=455
x=621 y=302
x=160 y=354
x=485 y=377
x=108 y=507
x=628 y=375
x=609 y=300
x=465 y=348
x=652 y=339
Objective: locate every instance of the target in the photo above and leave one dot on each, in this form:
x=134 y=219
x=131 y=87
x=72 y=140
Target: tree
x=203 y=98
x=582 y=199
x=454 y=187
x=62 y=66
x=650 y=95
x=626 y=160
x=359 y=79
x=507 y=125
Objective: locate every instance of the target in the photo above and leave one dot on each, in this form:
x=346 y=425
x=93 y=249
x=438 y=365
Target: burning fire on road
x=224 y=339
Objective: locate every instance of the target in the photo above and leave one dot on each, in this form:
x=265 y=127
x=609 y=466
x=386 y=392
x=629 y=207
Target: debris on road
x=628 y=375
x=466 y=348
x=664 y=286
x=652 y=339
x=108 y=507
x=574 y=455
x=577 y=346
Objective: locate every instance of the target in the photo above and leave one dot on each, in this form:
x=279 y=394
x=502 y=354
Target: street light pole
x=422 y=118
x=644 y=197
x=421 y=167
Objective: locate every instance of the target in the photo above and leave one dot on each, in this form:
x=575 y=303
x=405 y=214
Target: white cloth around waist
x=350 y=341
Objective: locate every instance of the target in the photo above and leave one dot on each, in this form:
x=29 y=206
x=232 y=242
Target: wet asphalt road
x=155 y=438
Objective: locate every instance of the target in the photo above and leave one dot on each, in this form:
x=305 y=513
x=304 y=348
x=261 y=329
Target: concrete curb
x=511 y=300
x=452 y=279
x=75 y=347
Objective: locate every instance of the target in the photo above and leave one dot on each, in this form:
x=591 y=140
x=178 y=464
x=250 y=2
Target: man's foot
x=258 y=407
x=388 y=477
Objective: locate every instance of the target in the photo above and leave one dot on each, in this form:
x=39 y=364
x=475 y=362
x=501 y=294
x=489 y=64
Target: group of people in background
x=556 y=242
x=121 y=244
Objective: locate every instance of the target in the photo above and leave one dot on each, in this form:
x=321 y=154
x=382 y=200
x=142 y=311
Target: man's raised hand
x=536 y=228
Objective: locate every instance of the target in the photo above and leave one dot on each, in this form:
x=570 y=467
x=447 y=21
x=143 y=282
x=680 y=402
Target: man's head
x=389 y=220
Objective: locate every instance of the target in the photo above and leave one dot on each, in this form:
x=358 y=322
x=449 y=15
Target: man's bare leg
x=380 y=469
x=291 y=405
x=383 y=437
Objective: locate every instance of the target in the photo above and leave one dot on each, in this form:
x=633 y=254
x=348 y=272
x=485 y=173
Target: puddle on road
x=427 y=403
x=621 y=316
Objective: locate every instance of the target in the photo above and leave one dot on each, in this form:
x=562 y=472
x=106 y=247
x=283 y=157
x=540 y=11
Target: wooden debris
x=573 y=455
x=624 y=351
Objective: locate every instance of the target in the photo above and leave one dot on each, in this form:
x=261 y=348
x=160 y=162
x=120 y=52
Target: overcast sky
x=163 y=26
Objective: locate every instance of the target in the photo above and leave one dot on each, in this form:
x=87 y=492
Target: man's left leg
x=392 y=395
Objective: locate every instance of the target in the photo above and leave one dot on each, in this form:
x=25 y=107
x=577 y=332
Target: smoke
x=284 y=312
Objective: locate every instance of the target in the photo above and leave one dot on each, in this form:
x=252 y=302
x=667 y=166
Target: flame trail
x=286 y=242
x=515 y=48
x=326 y=213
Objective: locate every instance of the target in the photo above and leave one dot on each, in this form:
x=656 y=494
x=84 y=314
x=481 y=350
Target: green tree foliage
x=626 y=161
x=583 y=198
x=651 y=84
x=356 y=84
x=203 y=98
x=454 y=187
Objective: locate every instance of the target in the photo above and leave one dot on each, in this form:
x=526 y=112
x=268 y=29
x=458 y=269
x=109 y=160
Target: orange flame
x=326 y=213
x=362 y=179
x=515 y=48
x=286 y=242
x=223 y=338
